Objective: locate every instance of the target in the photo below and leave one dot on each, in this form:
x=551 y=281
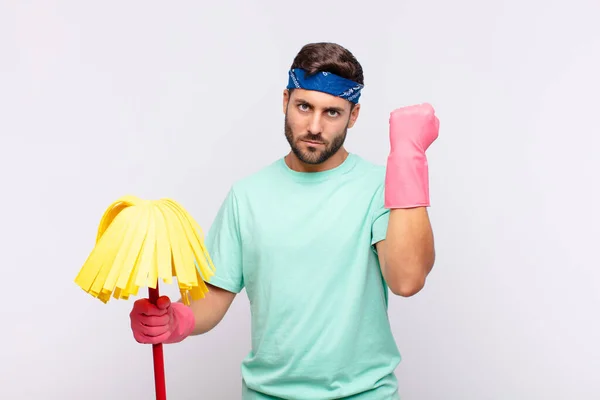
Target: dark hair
x=329 y=57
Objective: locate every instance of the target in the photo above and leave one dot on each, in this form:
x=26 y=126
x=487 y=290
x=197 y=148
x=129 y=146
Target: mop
x=139 y=243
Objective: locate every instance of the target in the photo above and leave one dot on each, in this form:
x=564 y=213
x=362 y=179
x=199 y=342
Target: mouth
x=313 y=143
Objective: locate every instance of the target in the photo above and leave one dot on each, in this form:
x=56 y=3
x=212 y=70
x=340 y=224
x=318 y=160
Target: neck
x=334 y=161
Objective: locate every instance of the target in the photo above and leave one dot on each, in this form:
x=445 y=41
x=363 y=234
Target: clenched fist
x=412 y=130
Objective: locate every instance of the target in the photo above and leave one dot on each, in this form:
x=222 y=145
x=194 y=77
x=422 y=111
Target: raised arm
x=407 y=255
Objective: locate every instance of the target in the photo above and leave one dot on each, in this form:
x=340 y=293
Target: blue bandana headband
x=325 y=82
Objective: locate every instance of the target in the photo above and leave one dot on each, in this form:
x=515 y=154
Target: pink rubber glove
x=164 y=322
x=412 y=130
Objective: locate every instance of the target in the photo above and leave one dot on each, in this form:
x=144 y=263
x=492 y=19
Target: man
x=317 y=238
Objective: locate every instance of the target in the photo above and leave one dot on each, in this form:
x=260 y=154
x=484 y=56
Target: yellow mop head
x=142 y=241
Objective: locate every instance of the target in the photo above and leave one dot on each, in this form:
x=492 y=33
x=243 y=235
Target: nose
x=315 y=127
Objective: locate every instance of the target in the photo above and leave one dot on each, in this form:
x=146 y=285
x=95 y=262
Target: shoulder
x=239 y=193
x=259 y=180
x=370 y=171
x=370 y=180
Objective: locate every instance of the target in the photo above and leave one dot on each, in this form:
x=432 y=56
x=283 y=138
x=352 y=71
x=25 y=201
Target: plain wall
x=180 y=99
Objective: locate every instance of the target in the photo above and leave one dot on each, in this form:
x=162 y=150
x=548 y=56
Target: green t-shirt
x=303 y=247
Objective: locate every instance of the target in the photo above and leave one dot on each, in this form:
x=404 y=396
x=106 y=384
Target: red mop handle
x=157 y=353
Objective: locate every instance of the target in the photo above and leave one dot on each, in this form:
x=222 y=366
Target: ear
x=286 y=99
x=354 y=115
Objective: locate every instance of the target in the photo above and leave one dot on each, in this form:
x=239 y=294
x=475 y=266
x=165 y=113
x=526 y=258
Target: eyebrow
x=332 y=108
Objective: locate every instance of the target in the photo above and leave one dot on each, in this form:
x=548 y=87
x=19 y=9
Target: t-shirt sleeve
x=379 y=217
x=224 y=245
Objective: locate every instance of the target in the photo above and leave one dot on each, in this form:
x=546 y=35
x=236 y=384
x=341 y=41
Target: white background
x=180 y=99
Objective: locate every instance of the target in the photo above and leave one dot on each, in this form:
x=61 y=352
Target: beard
x=314 y=155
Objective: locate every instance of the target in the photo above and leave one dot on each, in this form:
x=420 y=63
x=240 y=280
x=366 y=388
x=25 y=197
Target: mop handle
x=157 y=353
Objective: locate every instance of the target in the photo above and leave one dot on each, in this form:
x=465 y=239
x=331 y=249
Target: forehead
x=319 y=99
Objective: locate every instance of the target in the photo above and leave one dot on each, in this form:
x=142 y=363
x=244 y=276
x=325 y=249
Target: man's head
x=316 y=122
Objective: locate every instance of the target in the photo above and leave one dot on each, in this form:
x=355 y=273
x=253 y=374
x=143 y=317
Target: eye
x=333 y=113
x=303 y=107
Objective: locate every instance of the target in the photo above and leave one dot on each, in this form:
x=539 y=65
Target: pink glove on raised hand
x=412 y=130
x=164 y=322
